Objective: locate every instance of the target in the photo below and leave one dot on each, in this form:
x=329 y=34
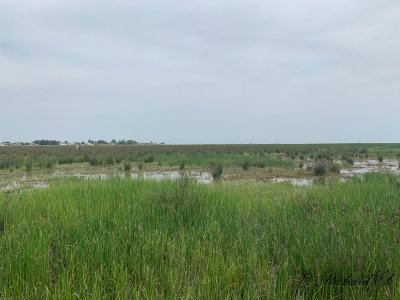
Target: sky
x=200 y=72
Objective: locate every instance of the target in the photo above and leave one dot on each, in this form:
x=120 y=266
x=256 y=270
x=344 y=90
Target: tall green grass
x=139 y=239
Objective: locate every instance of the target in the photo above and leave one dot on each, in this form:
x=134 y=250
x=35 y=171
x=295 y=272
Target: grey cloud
x=200 y=72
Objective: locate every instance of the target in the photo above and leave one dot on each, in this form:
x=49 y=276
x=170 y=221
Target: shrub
x=140 y=165
x=380 y=158
x=182 y=165
x=118 y=160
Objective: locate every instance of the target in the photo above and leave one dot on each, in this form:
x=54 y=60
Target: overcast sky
x=240 y=71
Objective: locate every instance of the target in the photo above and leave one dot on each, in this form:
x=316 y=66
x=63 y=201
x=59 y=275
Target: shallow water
x=372 y=165
x=295 y=181
x=200 y=177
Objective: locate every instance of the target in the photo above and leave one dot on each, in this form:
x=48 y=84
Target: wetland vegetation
x=249 y=235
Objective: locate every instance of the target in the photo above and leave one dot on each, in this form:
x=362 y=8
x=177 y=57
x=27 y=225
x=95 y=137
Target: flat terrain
x=103 y=223
x=24 y=166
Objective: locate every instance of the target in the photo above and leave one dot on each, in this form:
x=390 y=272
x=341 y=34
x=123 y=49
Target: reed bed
x=119 y=238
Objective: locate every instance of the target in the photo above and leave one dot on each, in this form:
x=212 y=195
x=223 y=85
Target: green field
x=121 y=238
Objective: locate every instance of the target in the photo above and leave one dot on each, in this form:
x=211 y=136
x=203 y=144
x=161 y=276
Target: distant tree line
x=46 y=142
x=98 y=142
x=123 y=142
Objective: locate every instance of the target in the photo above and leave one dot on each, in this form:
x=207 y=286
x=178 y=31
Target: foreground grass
x=137 y=239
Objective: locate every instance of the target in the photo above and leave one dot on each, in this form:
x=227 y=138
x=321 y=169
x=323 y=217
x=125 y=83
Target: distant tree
x=101 y=142
x=113 y=141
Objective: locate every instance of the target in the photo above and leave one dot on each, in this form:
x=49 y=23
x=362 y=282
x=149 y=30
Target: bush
x=182 y=165
x=140 y=165
x=380 y=158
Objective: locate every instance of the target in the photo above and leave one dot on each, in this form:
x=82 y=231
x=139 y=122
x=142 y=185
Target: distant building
x=89 y=144
x=111 y=144
x=63 y=144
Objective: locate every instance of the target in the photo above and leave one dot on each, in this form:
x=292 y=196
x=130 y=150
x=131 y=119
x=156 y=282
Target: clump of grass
x=127 y=166
x=182 y=165
x=246 y=164
x=261 y=164
x=380 y=158
x=94 y=161
x=86 y=157
x=216 y=170
x=149 y=159
x=2 y=224
x=29 y=166
x=140 y=165
x=348 y=159
x=110 y=161
x=334 y=168
x=320 y=168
